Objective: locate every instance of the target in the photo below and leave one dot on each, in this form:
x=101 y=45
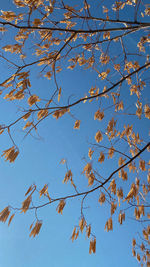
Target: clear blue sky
x=38 y=163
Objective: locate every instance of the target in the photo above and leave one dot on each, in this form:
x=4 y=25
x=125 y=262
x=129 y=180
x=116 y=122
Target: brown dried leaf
x=43 y=191
x=92 y=248
x=29 y=190
x=33 y=99
x=61 y=206
x=101 y=157
x=26 y=204
x=90 y=153
x=10 y=154
x=42 y=113
x=98 y=137
x=4 y=214
x=36 y=229
x=10 y=219
x=77 y=124
x=59 y=94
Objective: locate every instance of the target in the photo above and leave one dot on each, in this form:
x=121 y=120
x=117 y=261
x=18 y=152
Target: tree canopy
x=86 y=65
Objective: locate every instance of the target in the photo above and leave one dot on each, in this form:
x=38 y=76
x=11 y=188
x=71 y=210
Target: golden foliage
x=87 y=169
x=91 y=179
x=88 y=231
x=82 y=224
x=59 y=94
x=92 y=248
x=113 y=207
x=57 y=44
x=26 y=116
x=121 y=217
x=68 y=176
x=112 y=186
x=121 y=161
x=29 y=189
x=63 y=161
x=131 y=167
x=98 y=137
x=10 y=219
x=98 y=115
x=26 y=203
x=106 y=35
x=133 y=242
x=123 y=175
x=10 y=154
x=48 y=75
x=10 y=96
x=37 y=22
x=103 y=75
x=74 y=234
x=111 y=125
x=109 y=225
x=117 y=67
x=28 y=124
x=10 y=15
x=145 y=234
x=142 y=165
x=59 y=113
x=93 y=91
x=101 y=157
x=102 y=198
x=111 y=152
x=138 y=257
x=13 y=48
x=42 y=114
x=147 y=111
x=33 y=99
x=36 y=229
x=1 y=129
x=61 y=206
x=104 y=59
x=44 y=190
x=119 y=194
x=132 y=193
x=4 y=214
x=77 y=124
x=90 y=153
x=133 y=252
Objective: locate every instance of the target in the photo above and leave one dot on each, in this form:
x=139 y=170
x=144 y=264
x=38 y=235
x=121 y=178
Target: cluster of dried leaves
x=103 y=47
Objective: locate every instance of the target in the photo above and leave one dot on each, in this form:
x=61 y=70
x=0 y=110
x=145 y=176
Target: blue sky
x=39 y=162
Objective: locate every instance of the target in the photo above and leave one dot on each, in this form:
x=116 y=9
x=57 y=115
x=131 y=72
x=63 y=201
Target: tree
x=110 y=43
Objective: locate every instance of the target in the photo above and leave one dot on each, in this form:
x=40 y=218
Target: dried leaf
x=33 y=99
x=26 y=204
x=59 y=94
x=101 y=157
x=43 y=191
x=92 y=248
x=98 y=115
x=42 y=113
x=68 y=176
x=10 y=154
x=82 y=224
x=4 y=214
x=10 y=219
x=61 y=206
x=36 y=229
x=90 y=153
x=77 y=124
x=29 y=190
x=98 y=137
x=88 y=231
